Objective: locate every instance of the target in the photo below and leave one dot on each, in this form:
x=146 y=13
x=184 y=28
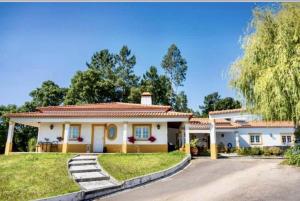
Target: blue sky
x=51 y=41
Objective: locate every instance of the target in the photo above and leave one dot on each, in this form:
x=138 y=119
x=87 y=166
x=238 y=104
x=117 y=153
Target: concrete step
x=83 y=162
x=89 y=176
x=78 y=158
x=93 y=185
x=84 y=168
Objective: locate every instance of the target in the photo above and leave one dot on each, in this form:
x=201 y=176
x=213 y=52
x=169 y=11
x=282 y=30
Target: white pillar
x=66 y=137
x=213 y=140
x=124 y=137
x=187 y=138
x=237 y=140
x=10 y=135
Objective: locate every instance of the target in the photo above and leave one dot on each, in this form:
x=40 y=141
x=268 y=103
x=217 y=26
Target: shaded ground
x=223 y=179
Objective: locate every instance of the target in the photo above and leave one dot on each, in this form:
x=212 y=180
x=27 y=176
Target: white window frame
x=286 y=135
x=71 y=135
x=255 y=135
x=142 y=128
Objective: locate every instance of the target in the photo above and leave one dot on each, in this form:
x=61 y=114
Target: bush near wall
x=293 y=155
x=267 y=151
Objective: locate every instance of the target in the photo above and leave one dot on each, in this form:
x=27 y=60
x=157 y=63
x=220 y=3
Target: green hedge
x=293 y=155
x=254 y=151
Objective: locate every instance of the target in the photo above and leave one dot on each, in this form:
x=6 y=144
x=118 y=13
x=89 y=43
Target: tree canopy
x=267 y=75
x=50 y=94
x=213 y=102
x=175 y=66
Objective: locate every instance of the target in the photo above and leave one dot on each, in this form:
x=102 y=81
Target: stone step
x=84 y=168
x=79 y=158
x=83 y=162
x=93 y=185
x=89 y=176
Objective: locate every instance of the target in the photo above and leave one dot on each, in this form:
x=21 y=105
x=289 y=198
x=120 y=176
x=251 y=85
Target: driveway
x=223 y=179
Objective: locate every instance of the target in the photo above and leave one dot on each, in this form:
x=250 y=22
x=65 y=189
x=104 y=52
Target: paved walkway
x=223 y=179
x=87 y=173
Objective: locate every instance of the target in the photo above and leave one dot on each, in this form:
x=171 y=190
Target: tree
x=158 y=85
x=22 y=133
x=50 y=94
x=181 y=103
x=175 y=66
x=268 y=73
x=109 y=77
x=126 y=77
x=90 y=87
x=213 y=102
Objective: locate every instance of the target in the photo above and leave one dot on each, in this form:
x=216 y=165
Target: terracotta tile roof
x=115 y=106
x=267 y=124
x=103 y=110
x=227 y=111
x=203 y=123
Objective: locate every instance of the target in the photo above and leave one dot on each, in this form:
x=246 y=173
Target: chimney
x=146 y=98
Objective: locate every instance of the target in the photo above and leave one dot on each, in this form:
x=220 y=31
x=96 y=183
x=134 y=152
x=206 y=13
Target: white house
x=237 y=128
x=127 y=127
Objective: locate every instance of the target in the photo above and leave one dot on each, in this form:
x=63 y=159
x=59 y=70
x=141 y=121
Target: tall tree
x=213 y=102
x=268 y=73
x=175 y=66
x=126 y=77
x=49 y=94
x=158 y=85
x=109 y=77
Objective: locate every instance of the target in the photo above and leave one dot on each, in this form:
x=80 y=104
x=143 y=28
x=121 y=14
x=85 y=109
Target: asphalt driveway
x=223 y=179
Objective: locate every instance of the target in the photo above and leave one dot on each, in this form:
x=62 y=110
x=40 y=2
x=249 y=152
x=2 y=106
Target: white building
x=126 y=127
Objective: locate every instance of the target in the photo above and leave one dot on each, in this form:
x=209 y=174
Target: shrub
x=293 y=155
x=243 y=151
x=249 y=151
x=275 y=151
x=32 y=144
x=256 y=151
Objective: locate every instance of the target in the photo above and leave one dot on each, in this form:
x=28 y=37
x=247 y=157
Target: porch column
x=66 y=136
x=10 y=135
x=237 y=140
x=124 y=138
x=213 y=140
x=187 y=138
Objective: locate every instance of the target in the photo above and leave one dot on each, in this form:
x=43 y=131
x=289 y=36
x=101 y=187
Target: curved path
x=223 y=179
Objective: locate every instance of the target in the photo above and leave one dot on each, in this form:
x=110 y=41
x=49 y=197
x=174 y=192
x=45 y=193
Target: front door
x=98 y=138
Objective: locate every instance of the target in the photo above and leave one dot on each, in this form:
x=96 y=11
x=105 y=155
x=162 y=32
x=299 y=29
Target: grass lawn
x=127 y=166
x=32 y=176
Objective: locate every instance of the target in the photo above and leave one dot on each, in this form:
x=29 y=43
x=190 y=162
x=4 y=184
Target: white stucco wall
x=269 y=136
x=161 y=134
x=229 y=137
x=46 y=132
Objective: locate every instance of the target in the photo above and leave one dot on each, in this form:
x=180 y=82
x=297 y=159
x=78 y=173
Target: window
x=142 y=132
x=255 y=139
x=112 y=132
x=74 y=132
x=286 y=139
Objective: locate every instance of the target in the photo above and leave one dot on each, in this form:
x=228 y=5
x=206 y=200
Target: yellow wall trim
x=64 y=148
x=187 y=148
x=145 y=148
x=114 y=148
x=8 y=148
x=77 y=148
x=213 y=151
